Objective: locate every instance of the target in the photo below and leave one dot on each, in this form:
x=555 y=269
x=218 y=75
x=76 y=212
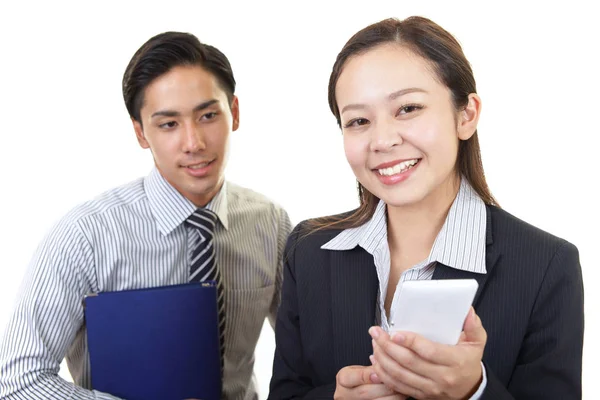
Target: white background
x=65 y=135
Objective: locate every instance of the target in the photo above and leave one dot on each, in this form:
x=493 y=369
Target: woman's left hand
x=414 y=366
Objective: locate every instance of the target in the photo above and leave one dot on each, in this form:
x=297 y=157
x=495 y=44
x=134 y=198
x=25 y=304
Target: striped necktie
x=204 y=264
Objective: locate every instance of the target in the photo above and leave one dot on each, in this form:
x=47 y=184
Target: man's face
x=186 y=120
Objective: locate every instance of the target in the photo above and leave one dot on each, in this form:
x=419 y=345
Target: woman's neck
x=415 y=227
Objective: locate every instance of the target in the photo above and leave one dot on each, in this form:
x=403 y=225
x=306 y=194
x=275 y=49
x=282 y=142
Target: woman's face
x=401 y=128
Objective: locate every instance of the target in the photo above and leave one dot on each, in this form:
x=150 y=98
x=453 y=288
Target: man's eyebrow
x=171 y=113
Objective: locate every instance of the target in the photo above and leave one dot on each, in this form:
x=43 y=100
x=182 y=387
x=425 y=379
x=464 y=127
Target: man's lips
x=197 y=165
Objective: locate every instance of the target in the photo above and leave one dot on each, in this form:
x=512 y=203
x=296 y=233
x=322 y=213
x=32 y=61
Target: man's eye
x=209 y=115
x=168 y=125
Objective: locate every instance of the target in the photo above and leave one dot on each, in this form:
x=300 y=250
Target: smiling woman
x=67 y=135
x=392 y=134
x=405 y=97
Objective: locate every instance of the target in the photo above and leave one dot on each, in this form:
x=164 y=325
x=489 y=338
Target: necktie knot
x=205 y=221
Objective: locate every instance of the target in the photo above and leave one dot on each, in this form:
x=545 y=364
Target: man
x=180 y=96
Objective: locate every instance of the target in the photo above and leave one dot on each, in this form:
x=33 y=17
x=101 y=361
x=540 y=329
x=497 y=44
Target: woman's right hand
x=358 y=382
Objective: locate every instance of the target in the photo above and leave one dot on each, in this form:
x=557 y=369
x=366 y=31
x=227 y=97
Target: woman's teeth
x=398 y=168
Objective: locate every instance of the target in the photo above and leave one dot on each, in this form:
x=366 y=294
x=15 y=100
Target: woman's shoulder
x=315 y=232
x=510 y=231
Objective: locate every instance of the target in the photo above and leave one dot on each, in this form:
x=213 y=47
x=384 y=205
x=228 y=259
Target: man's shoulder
x=249 y=208
x=109 y=201
x=244 y=198
x=241 y=193
x=105 y=210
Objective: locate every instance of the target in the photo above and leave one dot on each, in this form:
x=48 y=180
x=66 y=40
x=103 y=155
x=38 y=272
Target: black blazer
x=530 y=303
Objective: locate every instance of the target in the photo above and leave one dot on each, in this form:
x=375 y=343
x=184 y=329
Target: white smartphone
x=435 y=309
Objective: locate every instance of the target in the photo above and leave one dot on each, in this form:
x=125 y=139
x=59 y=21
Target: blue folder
x=158 y=343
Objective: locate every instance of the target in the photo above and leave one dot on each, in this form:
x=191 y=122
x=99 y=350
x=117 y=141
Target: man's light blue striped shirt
x=134 y=237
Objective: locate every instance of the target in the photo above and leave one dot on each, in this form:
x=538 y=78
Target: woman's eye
x=407 y=109
x=357 y=122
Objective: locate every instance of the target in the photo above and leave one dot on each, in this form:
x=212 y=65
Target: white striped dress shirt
x=134 y=237
x=460 y=244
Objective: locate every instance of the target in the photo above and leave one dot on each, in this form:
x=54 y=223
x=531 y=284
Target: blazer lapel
x=491 y=258
x=354 y=287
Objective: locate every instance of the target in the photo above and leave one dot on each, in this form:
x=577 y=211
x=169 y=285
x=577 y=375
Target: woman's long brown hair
x=442 y=50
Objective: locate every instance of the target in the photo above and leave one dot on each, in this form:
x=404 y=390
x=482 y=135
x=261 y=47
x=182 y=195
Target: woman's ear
x=469 y=117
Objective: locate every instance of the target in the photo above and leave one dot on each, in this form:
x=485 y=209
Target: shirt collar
x=219 y=205
x=369 y=235
x=170 y=208
x=460 y=244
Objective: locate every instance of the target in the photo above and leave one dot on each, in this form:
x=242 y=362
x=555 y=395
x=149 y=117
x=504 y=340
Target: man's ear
x=235 y=112
x=139 y=134
x=469 y=117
